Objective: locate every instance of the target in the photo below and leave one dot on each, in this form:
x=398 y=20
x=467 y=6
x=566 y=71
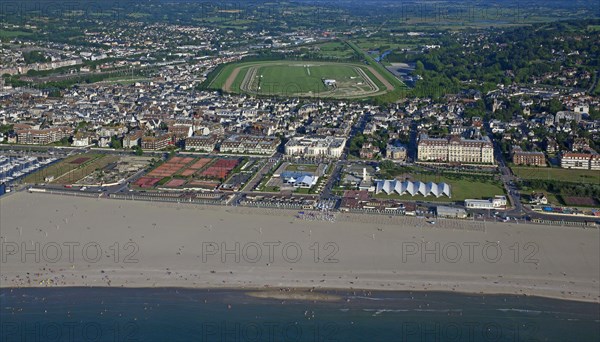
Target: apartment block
x=582 y=161
x=43 y=136
x=250 y=144
x=521 y=157
x=325 y=147
x=202 y=143
x=156 y=143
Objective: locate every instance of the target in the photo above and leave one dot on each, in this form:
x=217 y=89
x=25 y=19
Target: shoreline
x=367 y=254
x=296 y=294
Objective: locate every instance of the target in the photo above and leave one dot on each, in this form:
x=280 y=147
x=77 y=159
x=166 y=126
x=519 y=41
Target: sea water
x=169 y=314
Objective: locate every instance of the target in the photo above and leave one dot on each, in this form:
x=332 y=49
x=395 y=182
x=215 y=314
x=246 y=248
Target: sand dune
x=50 y=240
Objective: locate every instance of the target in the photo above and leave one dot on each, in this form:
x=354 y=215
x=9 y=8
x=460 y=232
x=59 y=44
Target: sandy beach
x=52 y=240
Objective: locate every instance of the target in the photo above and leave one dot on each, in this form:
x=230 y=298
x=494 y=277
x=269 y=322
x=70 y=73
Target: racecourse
x=302 y=79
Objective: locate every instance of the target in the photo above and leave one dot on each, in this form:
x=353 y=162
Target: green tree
x=555 y=106
x=6 y=128
x=387 y=165
x=31 y=57
x=419 y=67
x=115 y=142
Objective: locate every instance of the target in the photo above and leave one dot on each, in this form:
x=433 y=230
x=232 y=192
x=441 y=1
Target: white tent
x=412 y=188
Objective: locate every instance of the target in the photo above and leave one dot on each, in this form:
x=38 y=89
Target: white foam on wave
x=521 y=310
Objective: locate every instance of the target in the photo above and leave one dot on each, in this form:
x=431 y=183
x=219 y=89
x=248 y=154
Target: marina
x=14 y=168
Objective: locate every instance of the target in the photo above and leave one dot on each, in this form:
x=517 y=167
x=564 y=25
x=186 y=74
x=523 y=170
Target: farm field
x=302 y=79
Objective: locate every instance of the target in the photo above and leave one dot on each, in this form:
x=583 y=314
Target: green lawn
x=302 y=191
x=558 y=174
x=125 y=80
x=302 y=167
x=377 y=66
x=381 y=44
x=219 y=81
x=164 y=181
x=13 y=34
x=335 y=50
x=593 y=28
x=238 y=80
x=301 y=77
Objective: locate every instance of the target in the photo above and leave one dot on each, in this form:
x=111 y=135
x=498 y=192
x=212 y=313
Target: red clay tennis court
x=164 y=170
x=187 y=172
x=180 y=160
x=214 y=172
x=200 y=163
x=220 y=169
x=170 y=167
x=190 y=170
x=226 y=163
x=175 y=183
x=146 y=182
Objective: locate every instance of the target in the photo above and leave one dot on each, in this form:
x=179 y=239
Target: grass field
x=302 y=167
x=125 y=80
x=219 y=81
x=380 y=68
x=5 y=34
x=593 y=28
x=71 y=169
x=382 y=44
x=301 y=79
x=58 y=169
x=558 y=174
x=334 y=50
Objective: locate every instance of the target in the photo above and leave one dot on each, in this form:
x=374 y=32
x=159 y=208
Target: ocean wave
x=367 y=298
x=438 y=310
x=521 y=310
x=380 y=311
x=382 y=298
